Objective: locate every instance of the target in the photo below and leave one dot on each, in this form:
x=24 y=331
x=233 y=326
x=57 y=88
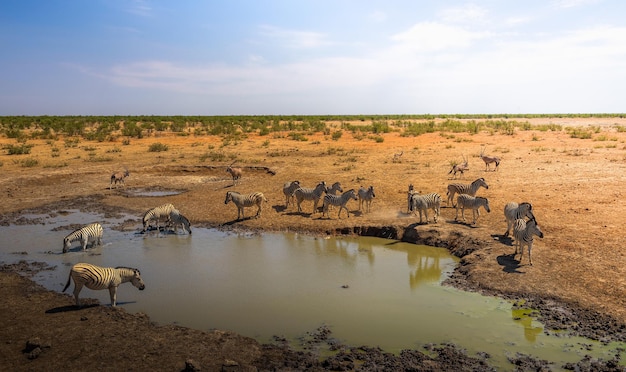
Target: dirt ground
x=577 y=280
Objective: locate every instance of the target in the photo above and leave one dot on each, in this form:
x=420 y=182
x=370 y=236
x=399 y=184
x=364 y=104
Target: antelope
x=235 y=173
x=119 y=177
x=397 y=156
x=489 y=159
x=460 y=167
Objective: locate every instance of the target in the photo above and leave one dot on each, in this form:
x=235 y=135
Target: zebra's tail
x=69 y=279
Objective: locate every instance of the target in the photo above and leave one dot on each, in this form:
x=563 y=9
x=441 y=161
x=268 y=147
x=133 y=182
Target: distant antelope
x=235 y=173
x=397 y=156
x=119 y=177
x=489 y=159
x=459 y=168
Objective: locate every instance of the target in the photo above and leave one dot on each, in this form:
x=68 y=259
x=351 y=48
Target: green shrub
x=18 y=149
x=157 y=147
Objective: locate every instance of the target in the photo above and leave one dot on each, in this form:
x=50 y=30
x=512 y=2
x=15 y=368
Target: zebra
x=84 y=234
x=514 y=211
x=97 y=278
x=421 y=203
x=365 y=197
x=156 y=213
x=340 y=200
x=176 y=219
x=459 y=188
x=246 y=200
x=288 y=189
x=334 y=188
x=315 y=194
x=119 y=177
x=523 y=232
x=474 y=202
x=235 y=173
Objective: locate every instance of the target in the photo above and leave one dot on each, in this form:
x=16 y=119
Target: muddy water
x=368 y=291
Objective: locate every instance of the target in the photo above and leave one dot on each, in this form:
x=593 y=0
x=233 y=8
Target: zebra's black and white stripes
x=365 y=197
x=246 y=200
x=156 y=214
x=469 y=189
x=288 y=189
x=421 y=203
x=97 y=278
x=84 y=235
x=338 y=200
x=314 y=194
x=514 y=211
x=523 y=233
x=177 y=219
x=471 y=202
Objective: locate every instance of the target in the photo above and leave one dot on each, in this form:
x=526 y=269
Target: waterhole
x=367 y=291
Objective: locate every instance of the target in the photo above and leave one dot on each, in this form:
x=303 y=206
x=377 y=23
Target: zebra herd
x=96 y=277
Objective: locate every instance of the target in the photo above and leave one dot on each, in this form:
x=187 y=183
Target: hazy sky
x=312 y=57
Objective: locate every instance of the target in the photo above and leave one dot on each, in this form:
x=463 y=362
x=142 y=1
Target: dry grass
x=574 y=185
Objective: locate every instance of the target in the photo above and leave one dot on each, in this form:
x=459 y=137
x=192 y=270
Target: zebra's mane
x=128 y=268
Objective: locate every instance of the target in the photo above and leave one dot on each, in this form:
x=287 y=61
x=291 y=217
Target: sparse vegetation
x=158 y=147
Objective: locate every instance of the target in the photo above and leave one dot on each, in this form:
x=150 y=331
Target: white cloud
x=469 y=13
x=294 y=39
x=433 y=36
x=140 y=8
x=378 y=16
x=572 y=3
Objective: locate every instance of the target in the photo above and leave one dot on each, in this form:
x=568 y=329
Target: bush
x=18 y=149
x=158 y=147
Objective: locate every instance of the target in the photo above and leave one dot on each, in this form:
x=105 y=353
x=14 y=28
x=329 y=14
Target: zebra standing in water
x=84 y=234
x=97 y=278
x=340 y=200
x=514 y=211
x=459 y=188
x=288 y=189
x=421 y=203
x=157 y=213
x=365 y=197
x=474 y=203
x=523 y=232
x=315 y=194
x=247 y=200
x=177 y=219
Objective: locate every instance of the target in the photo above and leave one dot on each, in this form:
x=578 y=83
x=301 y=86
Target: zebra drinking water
x=459 y=188
x=523 y=232
x=177 y=219
x=474 y=203
x=421 y=203
x=97 y=278
x=315 y=194
x=247 y=200
x=84 y=234
x=514 y=211
x=157 y=213
x=288 y=189
x=340 y=200
x=365 y=197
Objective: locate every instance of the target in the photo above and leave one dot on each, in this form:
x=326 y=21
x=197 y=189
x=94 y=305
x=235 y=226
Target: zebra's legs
x=113 y=295
x=77 y=288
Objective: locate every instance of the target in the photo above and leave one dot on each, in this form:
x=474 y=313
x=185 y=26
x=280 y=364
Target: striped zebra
x=246 y=200
x=288 y=189
x=514 y=211
x=460 y=188
x=472 y=202
x=523 y=232
x=421 y=203
x=156 y=214
x=84 y=234
x=177 y=219
x=97 y=278
x=334 y=188
x=340 y=200
x=365 y=197
x=315 y=194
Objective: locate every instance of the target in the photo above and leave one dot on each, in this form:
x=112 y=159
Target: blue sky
x=286 y=57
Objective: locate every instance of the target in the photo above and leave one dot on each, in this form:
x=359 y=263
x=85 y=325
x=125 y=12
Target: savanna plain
x=571 y=168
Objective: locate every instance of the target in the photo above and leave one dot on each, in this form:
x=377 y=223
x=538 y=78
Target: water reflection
x=523 y=318
x=425 y=263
